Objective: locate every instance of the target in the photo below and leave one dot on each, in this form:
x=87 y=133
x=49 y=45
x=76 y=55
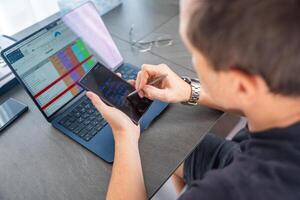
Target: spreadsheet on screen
x=50 y=63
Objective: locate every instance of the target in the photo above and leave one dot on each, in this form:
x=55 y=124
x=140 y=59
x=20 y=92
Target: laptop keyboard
x=84 y=120
x=128 y=71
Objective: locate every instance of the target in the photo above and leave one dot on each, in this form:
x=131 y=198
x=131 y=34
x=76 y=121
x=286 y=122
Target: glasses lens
x=164 y=41
x=141 y=48
x=144 y=47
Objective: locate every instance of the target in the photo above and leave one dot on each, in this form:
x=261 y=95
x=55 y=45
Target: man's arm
x=127 y=177
x=127 y=180
x=205 y=100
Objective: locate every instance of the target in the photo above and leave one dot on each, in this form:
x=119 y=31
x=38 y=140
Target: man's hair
x=260 y=37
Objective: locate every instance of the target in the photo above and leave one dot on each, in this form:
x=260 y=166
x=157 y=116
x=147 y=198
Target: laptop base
x=102 y=144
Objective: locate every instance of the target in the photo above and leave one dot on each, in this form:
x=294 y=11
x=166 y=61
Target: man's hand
x=172 y=89
x=123 y=128
x=127 y=176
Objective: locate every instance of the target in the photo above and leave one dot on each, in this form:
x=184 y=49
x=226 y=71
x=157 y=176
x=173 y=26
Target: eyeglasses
x=145 y=46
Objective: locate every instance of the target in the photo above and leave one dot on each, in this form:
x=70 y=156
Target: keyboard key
x=89 y=127
x=80 y=120
x=92 y=118
x=86 y=122
x=91 y=111
x=94 y=132
x=88 y=136
x=84 y=103
x=72 y=119
x=87 y=106
x=77 y=114
x=78 y=129
x=75 y=110
x=83 y=132
x=98 y=114
x=131 y=77
x=98 y=127
x=67 y=124
x=95 y=122
x=82 y=110
x=73 y=126
x=85 y=115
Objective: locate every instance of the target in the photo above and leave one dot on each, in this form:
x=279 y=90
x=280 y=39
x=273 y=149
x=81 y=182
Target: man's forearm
x=127 y=180
x=205 y=100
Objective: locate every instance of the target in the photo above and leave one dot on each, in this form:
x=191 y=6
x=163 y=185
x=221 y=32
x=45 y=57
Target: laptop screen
x=49 y=63
x=53 y=59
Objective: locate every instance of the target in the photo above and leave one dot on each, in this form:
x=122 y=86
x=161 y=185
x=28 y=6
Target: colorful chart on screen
x=50 y=62
x=57 y=85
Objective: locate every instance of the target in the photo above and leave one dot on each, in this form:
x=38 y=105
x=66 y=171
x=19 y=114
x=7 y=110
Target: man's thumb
x=97 y=102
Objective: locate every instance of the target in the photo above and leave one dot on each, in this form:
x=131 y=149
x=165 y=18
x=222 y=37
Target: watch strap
x=195 y=90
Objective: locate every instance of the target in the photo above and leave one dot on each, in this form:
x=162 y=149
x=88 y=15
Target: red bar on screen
x=58 y=96
x=61 y=77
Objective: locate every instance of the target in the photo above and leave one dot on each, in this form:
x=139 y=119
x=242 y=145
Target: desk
x=38 y=162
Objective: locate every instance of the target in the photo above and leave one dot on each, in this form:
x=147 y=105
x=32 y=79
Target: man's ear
x=247 y=87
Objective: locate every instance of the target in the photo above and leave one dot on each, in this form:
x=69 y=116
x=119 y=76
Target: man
x=246 y=54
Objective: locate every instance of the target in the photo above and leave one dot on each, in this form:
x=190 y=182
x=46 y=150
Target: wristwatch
x=196 y=90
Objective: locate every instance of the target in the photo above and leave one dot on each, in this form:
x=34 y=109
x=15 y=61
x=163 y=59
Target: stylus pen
x=156 y=80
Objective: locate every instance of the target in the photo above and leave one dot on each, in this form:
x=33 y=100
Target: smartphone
x=10 y=110
x=113 y=90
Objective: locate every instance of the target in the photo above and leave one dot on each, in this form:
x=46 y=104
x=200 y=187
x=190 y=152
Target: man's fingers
x=150 y=71
x=141 y=93
x=154 y=70
x=131 y=82
x=144 y=76
x=138 y=79
x=152 y=92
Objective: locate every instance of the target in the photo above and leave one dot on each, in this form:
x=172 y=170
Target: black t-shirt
x=268 y=168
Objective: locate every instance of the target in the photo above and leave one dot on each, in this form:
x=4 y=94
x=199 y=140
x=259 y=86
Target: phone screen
x=114 y=90
x=9 y=111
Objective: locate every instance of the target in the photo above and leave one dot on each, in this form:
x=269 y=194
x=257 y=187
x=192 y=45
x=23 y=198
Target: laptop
x=50 y=61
